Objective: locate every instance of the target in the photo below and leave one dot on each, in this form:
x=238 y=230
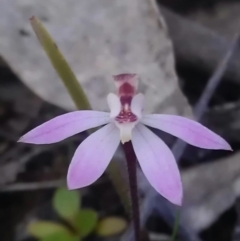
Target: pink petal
x=114 y=105
x=64 y=126
x=92 y=157
x=137 y=105
x=157 y=163
x=188 y=130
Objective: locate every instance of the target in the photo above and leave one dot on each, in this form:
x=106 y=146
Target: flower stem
x=132 y=174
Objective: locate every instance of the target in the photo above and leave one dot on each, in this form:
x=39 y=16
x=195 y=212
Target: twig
x=214 y=81
x=33 y=186
x=201 y=106
x=153 y=201
x=199 y=47
x=179 y=147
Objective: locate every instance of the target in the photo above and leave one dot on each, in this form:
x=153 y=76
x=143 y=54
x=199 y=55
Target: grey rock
x=99 y=38
x=209 y=190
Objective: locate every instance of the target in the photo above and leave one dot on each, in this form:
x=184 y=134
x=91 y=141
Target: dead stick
x=199 y=47
x=179 y=146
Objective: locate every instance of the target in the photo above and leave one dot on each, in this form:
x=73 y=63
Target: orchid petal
x=64 y=126
x=137 y=105
x=114 y=105
x=92 y=157
x=157 y=163
x=188 y=130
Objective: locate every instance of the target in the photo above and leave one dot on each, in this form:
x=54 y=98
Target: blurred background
x=175 y=46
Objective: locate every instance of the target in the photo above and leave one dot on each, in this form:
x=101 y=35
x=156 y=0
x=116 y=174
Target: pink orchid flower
x=125 y=122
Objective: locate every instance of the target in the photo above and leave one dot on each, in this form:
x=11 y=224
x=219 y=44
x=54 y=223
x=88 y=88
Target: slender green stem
x=61 y=66
x=176 y=226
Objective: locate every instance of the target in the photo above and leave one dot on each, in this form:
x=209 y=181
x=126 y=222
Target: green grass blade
x=77 y=94
x=60 y=65
x=176 y=226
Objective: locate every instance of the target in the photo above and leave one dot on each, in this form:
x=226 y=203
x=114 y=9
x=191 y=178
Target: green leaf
x=42 y=229
x=86 y=221
x=60 y=237
x=66 y=203
x=61 y=66
x=111 y=226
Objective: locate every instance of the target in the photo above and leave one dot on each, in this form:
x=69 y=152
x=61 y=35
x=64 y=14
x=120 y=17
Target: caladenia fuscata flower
x=125 y=123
